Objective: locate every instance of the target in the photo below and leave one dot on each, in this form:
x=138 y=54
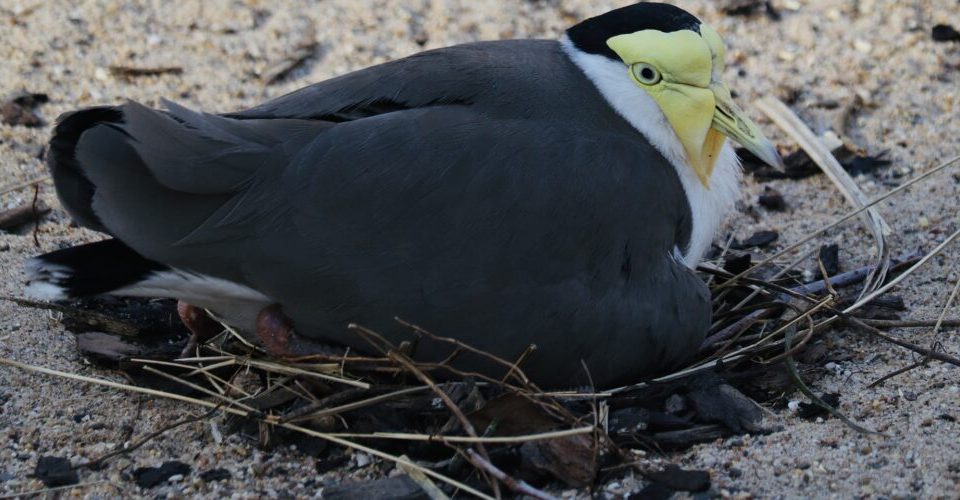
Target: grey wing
x=441 y=215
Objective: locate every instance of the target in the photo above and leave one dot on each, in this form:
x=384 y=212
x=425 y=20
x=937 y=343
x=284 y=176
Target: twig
x=795 y=375
x=514 y=484
x=98 y=462
x=303 y=51
x=22 y=214
x=793 y=126
x=853 y=277
x=407 y=436
x=876 y=332
x=933 y=343
x=133 y=72
x=406 y=363
x=315 y=411
x=896 y=372
x=939 y=168
x=44 y=491
x=425 y=483
x=296 y=428
x=24 y=184
x=910 y=323
x=118 y=385
x=37 y=210
x=208 y=392
x=516 y=365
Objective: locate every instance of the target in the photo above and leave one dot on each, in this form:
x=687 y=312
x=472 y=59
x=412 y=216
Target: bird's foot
x=278 y=337
x=202 y=327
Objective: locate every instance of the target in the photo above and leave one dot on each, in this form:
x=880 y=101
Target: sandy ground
x=867 y=69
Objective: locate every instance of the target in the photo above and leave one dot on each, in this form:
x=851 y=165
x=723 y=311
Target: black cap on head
x=592 y=34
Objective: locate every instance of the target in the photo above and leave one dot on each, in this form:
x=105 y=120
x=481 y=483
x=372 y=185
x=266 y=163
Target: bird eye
x=646 y=74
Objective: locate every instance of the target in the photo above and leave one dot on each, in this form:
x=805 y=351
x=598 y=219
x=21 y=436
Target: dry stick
x=96 y=463
x=792 y=368
x=44 y=491
x=933 y=343
x=515 y=368
x=515 y=485
x=910 y=270
x=242 y=413
x=310 y=415
x=843 y=219
x=386 y=456
x=529 y=391
x=405 y=362
x=425 y=483
x=409 y=436
x=25 y=184
x=208 y=392
x=896 y=372
x=118 y=385
x=508 y=365
x=22 y=214
x=876 y=332
x=790 y=123
x=853 y=277
x=911 y=323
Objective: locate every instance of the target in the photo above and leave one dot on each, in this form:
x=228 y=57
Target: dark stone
x=810 y=411
x=215 y=475
x=333 y=461
x=675 y=478
x=19 y=110
x=55 y=471
x=394 y=488
x=830 y=257
x=726 y=405
x=654 y=491
x=945 y=33
x=758 y=239
x=866 y=164
x=736 y=264
x=771 y=199
x=148 y=477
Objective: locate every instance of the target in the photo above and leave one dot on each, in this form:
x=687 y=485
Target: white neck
x=707 y=206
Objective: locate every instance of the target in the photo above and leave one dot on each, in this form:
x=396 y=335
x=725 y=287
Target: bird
x=510 y=194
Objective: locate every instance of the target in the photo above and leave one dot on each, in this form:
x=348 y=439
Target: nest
x=478 y=434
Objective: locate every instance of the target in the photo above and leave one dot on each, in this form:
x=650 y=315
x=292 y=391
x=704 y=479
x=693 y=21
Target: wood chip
x=133 y=72
x=23 y=214
x=302 y=51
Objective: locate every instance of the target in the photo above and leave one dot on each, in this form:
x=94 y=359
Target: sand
x=865 y=69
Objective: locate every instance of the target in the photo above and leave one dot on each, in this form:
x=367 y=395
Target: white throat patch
x=707 y=206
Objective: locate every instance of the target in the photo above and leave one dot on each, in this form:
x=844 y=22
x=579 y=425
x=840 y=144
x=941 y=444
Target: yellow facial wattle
x=690 y=94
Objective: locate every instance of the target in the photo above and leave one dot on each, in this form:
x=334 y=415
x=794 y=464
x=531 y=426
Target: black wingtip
x=85 y=270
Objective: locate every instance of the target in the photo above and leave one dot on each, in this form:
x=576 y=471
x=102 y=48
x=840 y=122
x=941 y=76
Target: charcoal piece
x=396 y=488
x=758 y=239
x=810 y=411
x=829 y=255
x=771 y=199
x=675 y=478
x=55 y=471
x=148 y=477
x=945 y=33
x=218 y=474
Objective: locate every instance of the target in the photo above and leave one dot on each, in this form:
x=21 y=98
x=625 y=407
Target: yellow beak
x=731 y=121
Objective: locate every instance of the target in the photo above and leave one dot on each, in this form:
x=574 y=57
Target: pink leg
x=202 y=327
x=278 y=337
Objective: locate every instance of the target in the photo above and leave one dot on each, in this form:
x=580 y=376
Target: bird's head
x=678 y=61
